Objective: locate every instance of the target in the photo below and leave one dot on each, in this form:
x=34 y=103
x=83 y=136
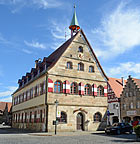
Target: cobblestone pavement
x=13 y=136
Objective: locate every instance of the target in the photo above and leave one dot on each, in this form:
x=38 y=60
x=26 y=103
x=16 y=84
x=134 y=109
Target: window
x=97 y=117
x=41 y=88
x=91 y=69
x=114 y=106
x=63 y=118
x=41 y=116
x=35 y=117
x=80 y=66
x=126 y=94
x=100 y=91
x=35 y=94
x=58 y=87
x=31 y=93
x=30 y=117
x=26 y=96
x=74 y=88
x=69 y=65
x=138 y=105
x=131 y=105
x=22 y=117
x=16 y=118
x=25 y=117
x=134 y=93
x=19 y=117
x=87 y=89
x=124 y=106
x=130 y=94
x=80 y=49
x=129 y=85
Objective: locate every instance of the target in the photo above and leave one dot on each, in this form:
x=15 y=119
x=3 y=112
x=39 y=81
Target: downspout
x=46 y=99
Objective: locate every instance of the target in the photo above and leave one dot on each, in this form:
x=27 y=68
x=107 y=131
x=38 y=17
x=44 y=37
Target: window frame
x=91 y=69
x=87 y=89
x=58 y=87
x=80 y=49
x=74 y=88
x=69 y=65
x=80 y=66
x=63 y=118
x=100 y=91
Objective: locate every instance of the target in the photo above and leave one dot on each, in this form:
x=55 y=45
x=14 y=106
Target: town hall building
x=72 y=76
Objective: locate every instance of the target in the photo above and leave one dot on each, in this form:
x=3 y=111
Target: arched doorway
x=115 y=119
x=80 y=120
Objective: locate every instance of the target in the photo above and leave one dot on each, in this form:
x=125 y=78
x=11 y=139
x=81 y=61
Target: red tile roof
x=116 y=85
x=3 y=105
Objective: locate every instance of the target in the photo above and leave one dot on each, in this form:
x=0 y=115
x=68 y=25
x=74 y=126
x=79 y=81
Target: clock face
x=80 y=55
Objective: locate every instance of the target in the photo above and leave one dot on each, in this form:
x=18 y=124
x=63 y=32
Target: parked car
x=118 y=128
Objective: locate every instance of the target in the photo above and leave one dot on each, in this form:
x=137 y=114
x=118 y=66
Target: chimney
x=122 y=81
x=36 y=62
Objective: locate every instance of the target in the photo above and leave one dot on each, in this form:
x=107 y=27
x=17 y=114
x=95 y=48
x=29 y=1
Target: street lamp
x=56 y=104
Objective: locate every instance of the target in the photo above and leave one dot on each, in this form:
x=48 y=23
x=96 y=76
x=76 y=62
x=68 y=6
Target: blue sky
x=32 y=29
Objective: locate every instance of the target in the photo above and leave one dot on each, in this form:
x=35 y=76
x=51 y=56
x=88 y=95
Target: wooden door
x=79 y=121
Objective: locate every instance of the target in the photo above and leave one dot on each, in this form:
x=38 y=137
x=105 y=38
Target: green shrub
x=137 y=130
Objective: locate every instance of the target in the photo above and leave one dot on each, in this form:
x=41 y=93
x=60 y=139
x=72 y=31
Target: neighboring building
x=5 y=112
x=130 y=100
x=115 y=87
x=73 y=76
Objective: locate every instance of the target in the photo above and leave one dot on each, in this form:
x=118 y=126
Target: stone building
x=130 y=100
x=115 y=87
x=73 y=76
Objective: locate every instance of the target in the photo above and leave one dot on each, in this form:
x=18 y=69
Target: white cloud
x=7 y=99
x=47 y=3
x=8 y=92
x=3 y=40
x=17 y=5
x=60 y=30
x=26 y=51
x=35 y=44
x=125 y=69
x=119 y=32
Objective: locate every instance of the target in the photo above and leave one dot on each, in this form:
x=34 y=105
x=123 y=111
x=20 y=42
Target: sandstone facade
x=85 y=104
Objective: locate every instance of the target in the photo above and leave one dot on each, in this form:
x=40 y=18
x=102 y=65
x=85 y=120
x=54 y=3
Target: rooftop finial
x=74 y=26
x=74 y=6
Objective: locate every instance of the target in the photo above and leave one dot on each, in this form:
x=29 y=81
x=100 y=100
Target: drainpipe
x=46 y=99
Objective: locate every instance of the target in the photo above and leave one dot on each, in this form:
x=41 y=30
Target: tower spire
x=74 y=26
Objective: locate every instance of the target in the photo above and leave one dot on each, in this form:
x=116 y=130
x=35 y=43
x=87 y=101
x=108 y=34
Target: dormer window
x=69 y=65
x=80 y=49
